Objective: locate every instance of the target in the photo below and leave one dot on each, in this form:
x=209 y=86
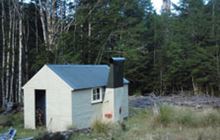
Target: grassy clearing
x=187 y=117
x=172 y=123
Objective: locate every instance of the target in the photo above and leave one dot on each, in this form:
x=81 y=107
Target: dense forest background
x=166 y=53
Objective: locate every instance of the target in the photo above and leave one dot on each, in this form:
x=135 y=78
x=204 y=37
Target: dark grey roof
x=83 y=76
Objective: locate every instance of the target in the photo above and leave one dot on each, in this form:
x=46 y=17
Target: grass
x=16 y=121
x=187 y=117
x=165 y=116
x=172 y=123
x=100 y=127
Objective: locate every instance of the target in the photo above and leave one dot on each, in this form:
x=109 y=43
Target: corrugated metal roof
x=83 y=76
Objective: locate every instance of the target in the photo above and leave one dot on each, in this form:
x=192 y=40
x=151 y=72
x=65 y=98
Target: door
x=40 y=108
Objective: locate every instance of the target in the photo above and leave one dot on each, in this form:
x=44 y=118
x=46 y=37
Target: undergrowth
x=101 y=127
x=16 y=121
x=171 y=123
x=187 y=117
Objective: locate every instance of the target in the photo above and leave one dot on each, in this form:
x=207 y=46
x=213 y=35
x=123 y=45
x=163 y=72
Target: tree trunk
x=62 y=14
x=155 y=40
x=50 y=13
x=212 y=91
x=11 y=97
x=52 y=25
x=36 y=28
x=207 y=90
x=26 y=52
x=20 y=97
x=181 y=90
x=43 y=22
x=217 y=66
x=161 y=82
x=89 y=43
x=195 y=87
x=8 y=53
x=3 y=53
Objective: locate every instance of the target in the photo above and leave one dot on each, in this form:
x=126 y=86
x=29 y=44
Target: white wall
x=58 y=101
x=125 y=102
x=116 y=98
x=108 y=105
x=29 y=108
x=84 y=112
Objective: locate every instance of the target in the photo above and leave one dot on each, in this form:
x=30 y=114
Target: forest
x=172 y=52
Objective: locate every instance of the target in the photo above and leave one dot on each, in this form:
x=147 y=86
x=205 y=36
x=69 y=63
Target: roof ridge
x=76 y=65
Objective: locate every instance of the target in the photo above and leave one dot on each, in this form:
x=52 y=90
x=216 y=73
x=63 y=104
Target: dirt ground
x=200 y=101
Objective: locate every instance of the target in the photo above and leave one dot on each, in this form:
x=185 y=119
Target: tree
x=20 y=71
x=3 y=53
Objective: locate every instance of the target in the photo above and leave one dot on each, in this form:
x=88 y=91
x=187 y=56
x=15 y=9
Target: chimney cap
x=117 y=59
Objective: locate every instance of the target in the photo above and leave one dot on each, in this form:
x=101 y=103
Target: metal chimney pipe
x=116 y=71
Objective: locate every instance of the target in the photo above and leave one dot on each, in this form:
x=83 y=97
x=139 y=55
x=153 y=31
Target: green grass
x=172 y=123
x=16 y=121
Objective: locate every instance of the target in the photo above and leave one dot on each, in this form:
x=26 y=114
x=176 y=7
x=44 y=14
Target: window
x=97 y=95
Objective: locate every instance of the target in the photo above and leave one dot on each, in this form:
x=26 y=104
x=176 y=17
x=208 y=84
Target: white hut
x=63 y=96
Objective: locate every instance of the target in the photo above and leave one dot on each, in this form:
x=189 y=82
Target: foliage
x=100 y=127
x=16 y=120
x=165 y=53
x=165 y=116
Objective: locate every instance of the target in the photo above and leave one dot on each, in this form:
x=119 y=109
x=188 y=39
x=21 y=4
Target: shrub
x=123 y=126
x=101 y=127
x=12 y=120
x=185 y=118
x=166 y=115
x=17 y=119
x=212 y=119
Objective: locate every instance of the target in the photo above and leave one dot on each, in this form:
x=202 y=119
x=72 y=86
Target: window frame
x=93 y=101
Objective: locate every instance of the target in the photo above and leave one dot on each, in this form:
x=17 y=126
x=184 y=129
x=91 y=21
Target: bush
x=212 y=119
x=101 y=127
x=198 y=119
x=17 y=119
x=12 y=120
x=165 y=116
x=187 y=118
x=170 y=115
